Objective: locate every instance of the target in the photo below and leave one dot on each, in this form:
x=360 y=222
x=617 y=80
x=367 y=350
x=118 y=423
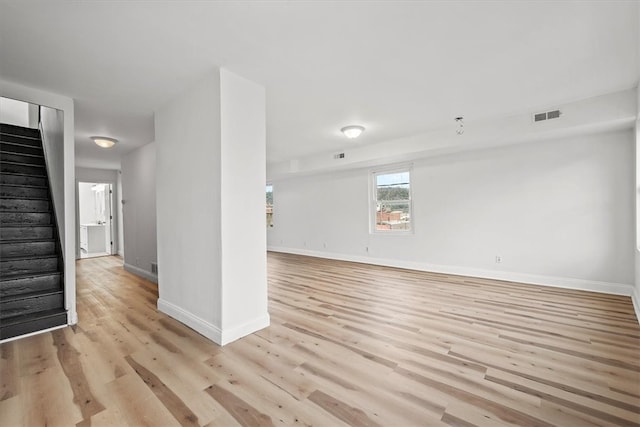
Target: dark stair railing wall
x=31 y=264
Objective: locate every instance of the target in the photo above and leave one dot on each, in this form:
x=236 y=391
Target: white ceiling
x=397 y=67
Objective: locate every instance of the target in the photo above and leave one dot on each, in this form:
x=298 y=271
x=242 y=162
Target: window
x=269 y=205
x=392 y=201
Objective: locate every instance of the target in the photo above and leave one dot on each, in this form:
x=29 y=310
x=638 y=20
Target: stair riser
x=26 y=218
x=24 y=192
x=31 y=305
x=25 y=249
x=15 y=205
x=21 y=168
x=20 y=140
x=21 y=233
x=10 y=331
x=25 y=285
x=23 y=180
x=22 y=158
x=20 y=148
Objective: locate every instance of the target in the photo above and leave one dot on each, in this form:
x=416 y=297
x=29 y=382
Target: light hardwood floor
x=348 y=344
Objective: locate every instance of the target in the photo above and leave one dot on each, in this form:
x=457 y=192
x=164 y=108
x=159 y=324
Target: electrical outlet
x=366 y=249
x=498 y=259
x=324 y=245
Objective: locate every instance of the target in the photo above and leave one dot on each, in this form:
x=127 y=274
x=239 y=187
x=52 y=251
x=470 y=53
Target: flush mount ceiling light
x=104 y=142
x=352 y=131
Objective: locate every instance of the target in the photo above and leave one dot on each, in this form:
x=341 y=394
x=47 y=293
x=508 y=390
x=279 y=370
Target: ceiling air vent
x=547 y=115
x=338 y=156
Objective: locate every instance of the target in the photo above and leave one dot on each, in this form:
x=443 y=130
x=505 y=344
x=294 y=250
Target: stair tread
x=9 y=162
x=26 y=295
x=29 y=240
x=23 y=257
x=24 y=186
x=29 y=275
x=13 y=320
x=30 y=175
x=15 y=135
x=8 y=277
x=19 y=153
x=24 y=198
x=26 y=225
x=8 y=128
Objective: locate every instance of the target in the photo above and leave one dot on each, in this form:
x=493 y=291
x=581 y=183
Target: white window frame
x=373 y=200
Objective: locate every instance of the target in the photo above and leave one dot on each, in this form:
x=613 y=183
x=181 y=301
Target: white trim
x=215 y=334
x=373 y=200
x=552 y=281
x=636 y=302
x=30 y=334
x=72 y=318
x=142 y=273
x=194 y=322
x=246 y=328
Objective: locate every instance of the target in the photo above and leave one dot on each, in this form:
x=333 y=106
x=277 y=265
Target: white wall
x=188 y=201
x=210 y=198
x=53 y=144
x=558 y=212
x=243 y=235
x=103 y=176
x=14 y=112
x=636 y=197
x=139 y=210
x=86 y=204
x=65 y=104
x=118 y=210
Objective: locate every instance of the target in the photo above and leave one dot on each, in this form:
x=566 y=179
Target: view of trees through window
x=269 y=205
x=393 y=201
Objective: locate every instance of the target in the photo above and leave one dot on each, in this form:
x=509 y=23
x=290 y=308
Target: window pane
x=395 y=215
x=393 y=186
x=269 y=205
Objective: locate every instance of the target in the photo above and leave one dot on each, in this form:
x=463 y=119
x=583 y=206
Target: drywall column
x=210 y=207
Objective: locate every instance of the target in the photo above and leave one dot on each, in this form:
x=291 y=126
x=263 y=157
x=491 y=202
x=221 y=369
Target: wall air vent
x=338 y=156
x=547 y=115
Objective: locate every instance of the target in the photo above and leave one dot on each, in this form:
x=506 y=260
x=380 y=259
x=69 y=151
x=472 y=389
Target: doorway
x=95 y=219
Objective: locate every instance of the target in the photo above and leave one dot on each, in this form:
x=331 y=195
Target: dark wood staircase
x=31 y=267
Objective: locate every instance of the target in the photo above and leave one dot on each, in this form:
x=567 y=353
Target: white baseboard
x=636 y=302
x=140 y=272
x=558 y=282
x=199 y=325
x=231 y=334
x=209 y=330
x=72 y=317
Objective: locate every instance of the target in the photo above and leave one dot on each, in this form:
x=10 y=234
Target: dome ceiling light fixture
x=104 y=142
x=352 y=131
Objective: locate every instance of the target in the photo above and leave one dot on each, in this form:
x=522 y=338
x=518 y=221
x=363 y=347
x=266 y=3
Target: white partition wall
x=210 y=207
